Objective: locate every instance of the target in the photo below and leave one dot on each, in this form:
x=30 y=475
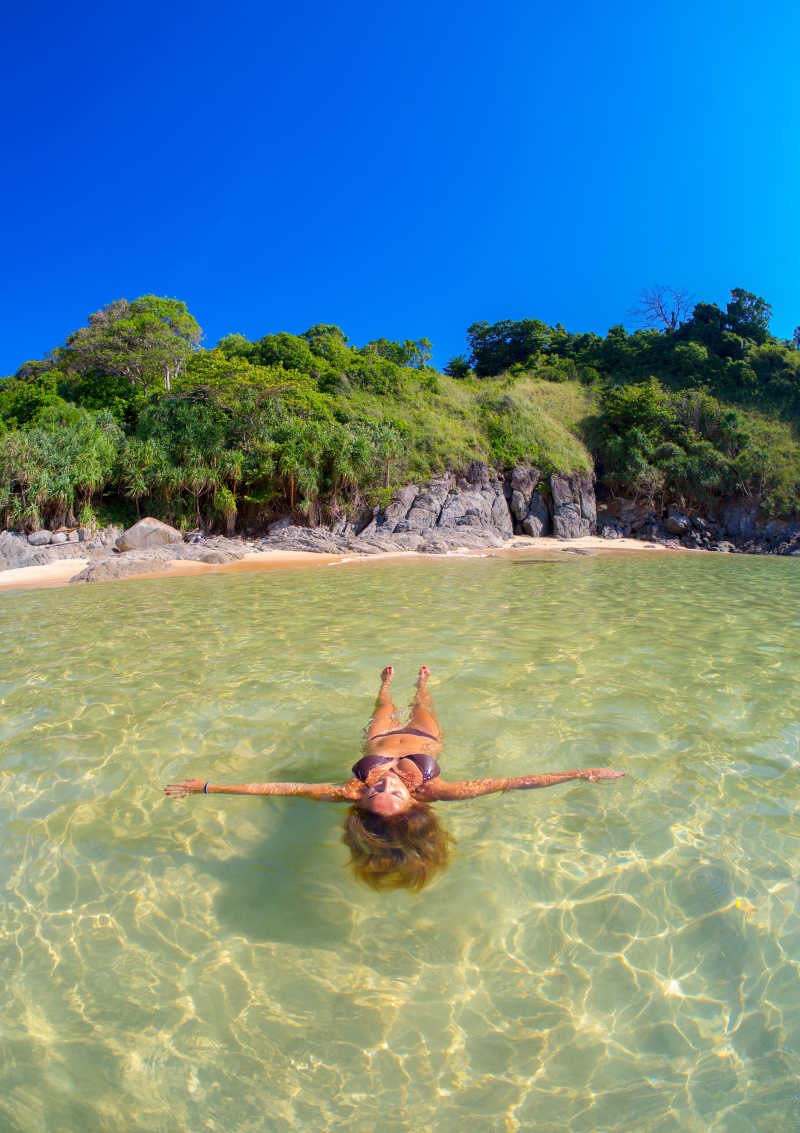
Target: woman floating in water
x=394 y=838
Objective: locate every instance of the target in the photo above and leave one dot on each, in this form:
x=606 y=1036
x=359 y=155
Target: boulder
x=427 y=506
x=401 y=505
x=107 y=536
x=40 y=538
x=574 y=506
x=58 y=537
x=112 y=568
x=15 y=551
x=677 y=524
x=740 y=518
x=519 y=492
x=279 y=525
x=537 y=517
x=148 y=533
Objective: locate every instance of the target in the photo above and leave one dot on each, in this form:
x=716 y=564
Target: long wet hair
x=403 y=851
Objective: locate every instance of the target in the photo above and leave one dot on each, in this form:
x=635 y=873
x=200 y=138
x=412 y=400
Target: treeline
x=131 y=414
x=704 y=404
x=131 y=408
x=729 y=353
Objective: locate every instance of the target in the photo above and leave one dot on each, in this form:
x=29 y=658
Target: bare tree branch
x=663 y=307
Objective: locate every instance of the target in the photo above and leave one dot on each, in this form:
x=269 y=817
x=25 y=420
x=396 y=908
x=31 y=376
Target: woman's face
x=388 y=796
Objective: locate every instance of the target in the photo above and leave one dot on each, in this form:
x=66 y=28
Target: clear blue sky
x=399 y=169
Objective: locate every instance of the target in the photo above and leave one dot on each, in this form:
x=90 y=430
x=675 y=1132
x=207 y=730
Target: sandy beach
x=60 y=573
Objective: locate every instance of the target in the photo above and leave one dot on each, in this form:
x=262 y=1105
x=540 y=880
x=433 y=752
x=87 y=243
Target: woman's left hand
x=185 y=787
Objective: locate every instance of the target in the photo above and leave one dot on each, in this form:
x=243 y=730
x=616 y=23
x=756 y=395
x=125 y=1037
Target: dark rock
x=537 y=519
x=398 y=509
x=112 y=568
x=448 y=503
x=677 y=524
x=279 y=525
x=609 y=531
x=520 y=491
x=740 y=518
x=343 y=526
x=623 y=513
x=574 y=506
x=525 y=479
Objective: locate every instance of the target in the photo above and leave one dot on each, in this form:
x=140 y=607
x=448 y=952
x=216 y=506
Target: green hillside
x=131 y=415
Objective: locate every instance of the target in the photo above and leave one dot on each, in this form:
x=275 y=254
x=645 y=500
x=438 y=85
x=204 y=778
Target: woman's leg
x=423 y=717
x=384 y=718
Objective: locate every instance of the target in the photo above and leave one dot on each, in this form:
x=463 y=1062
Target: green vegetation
x=131 y=413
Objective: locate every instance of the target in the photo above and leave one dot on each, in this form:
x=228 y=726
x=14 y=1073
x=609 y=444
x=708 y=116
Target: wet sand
x=61 y=572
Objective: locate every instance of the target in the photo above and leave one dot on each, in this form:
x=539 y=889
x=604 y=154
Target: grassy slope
x=495 y=420
x=507 y=420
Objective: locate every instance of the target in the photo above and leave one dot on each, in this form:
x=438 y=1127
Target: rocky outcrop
x=453 y=512
x=40 y=538
x=574 y=506
x=147 y=533
x=15 y=551
x=474 y=501
x=432 y=541
x=737 y=525
x=217 y=551
x=466 y=512
x=527 y=502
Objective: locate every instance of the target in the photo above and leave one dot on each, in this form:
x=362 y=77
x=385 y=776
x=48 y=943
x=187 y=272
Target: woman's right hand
x=185 y=787
x=592 y=774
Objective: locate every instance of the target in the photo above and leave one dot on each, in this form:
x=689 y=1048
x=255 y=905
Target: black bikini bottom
x=405 y=732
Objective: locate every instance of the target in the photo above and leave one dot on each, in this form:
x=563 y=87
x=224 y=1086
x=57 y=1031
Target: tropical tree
x=748 y=315
x=146 y=343
x=458 y=367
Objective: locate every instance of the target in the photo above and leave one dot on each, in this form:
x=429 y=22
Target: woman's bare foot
x=387 y=674
x=423 y=675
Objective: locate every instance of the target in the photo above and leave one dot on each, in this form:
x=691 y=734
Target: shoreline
x=60 y=573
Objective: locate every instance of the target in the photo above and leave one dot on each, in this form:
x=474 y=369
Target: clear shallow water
x=619 y=956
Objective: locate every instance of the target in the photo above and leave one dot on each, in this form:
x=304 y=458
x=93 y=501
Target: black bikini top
x=426 y=765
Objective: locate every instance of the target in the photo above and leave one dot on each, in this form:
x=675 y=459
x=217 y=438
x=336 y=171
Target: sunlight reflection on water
x=610 y=957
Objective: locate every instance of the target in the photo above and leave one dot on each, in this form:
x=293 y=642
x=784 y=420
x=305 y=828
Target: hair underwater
x=401 y=852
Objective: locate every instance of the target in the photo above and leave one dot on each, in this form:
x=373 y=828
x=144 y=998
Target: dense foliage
x=132 y=415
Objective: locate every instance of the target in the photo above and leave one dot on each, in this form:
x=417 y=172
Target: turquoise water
x=620 y=956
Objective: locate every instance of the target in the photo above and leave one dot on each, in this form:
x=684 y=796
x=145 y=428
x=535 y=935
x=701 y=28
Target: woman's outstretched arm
x=328 y=792
x=439 y=790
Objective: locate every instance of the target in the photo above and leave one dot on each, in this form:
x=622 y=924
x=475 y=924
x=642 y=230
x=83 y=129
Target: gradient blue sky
x=401 y=170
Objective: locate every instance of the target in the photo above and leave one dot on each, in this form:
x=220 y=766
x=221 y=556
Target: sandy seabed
x=60 y=573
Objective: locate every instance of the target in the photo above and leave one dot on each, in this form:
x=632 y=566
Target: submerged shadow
x=287 y=888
